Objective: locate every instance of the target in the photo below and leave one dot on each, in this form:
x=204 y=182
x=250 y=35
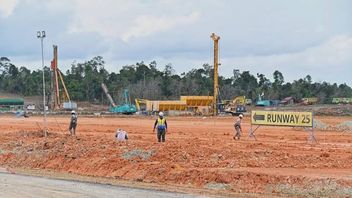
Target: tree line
x=145 y=80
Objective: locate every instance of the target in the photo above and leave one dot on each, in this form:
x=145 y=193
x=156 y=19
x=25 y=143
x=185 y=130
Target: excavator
x=140 y=102
x=125 y=108
x=237 y=106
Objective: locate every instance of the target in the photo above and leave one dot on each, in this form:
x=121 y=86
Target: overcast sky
x=297 y=37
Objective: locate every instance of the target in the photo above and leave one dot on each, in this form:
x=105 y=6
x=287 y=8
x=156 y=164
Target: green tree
x=248 y=84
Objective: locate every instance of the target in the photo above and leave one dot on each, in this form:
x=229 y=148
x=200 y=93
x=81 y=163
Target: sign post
x=282 y=118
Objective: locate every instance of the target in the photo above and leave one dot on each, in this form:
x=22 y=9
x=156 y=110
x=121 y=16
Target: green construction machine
x=125 y=108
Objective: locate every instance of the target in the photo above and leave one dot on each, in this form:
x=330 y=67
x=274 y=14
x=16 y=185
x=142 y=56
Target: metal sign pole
x=251 y=134
x=311 y=137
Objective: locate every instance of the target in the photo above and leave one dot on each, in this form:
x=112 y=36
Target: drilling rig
x=57 y=79
x=125 y=108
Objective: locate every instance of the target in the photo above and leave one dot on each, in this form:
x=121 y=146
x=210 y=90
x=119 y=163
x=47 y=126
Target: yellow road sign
x=282 y=118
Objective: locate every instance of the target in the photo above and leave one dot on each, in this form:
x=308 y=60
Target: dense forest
x=144 y=80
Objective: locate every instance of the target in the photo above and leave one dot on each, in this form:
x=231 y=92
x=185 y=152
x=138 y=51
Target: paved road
x=37 y=187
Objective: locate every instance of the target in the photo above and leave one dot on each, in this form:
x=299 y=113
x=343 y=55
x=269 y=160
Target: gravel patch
x=217 y=186
x=345 y=126
x=317 y=124
x=316 y=189
x=138 y=153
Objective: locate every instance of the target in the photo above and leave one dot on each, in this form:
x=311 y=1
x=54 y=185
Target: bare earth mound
x=199 y=153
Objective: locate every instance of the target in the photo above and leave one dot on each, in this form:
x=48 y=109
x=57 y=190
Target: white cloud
x=329 y=61
x=124 y=20
x=7 y=7
x=335 y=51
x=147 y=25
x=259 y=36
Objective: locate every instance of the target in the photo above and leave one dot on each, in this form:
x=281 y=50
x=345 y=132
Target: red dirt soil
x=199 y=152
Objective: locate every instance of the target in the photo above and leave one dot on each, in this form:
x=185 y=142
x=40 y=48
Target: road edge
x=172 y=188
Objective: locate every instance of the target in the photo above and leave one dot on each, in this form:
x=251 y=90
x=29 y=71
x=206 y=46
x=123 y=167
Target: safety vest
x=161 y=122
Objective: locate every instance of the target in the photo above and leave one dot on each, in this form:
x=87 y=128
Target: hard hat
x=73 y=112
x=161 y=114
x=241 y=116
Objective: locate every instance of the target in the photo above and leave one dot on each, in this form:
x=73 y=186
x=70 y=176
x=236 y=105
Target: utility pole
x=41 y=35
x=216 y=75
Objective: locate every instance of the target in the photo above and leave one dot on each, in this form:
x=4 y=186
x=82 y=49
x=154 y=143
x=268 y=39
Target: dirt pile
x=198 y=153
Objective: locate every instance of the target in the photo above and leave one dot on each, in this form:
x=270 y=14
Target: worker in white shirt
x=121 y=135
x=238 y=128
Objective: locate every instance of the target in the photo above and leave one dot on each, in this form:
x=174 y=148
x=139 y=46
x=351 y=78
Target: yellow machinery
x=239 y=100
x=309 y=101
x=140 y=102
x=216 y=75
x=166 y=105
x=195 y=103
x=236 y=106
x=160 y=105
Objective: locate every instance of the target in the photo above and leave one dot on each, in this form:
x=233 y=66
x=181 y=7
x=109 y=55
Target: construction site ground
x=199 y=155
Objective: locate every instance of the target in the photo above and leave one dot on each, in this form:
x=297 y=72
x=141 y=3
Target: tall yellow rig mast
x=216 y=75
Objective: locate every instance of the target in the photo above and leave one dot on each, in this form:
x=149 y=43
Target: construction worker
x=161 y=125
x=238 y=128
x=121 y=135
x=73 y=123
